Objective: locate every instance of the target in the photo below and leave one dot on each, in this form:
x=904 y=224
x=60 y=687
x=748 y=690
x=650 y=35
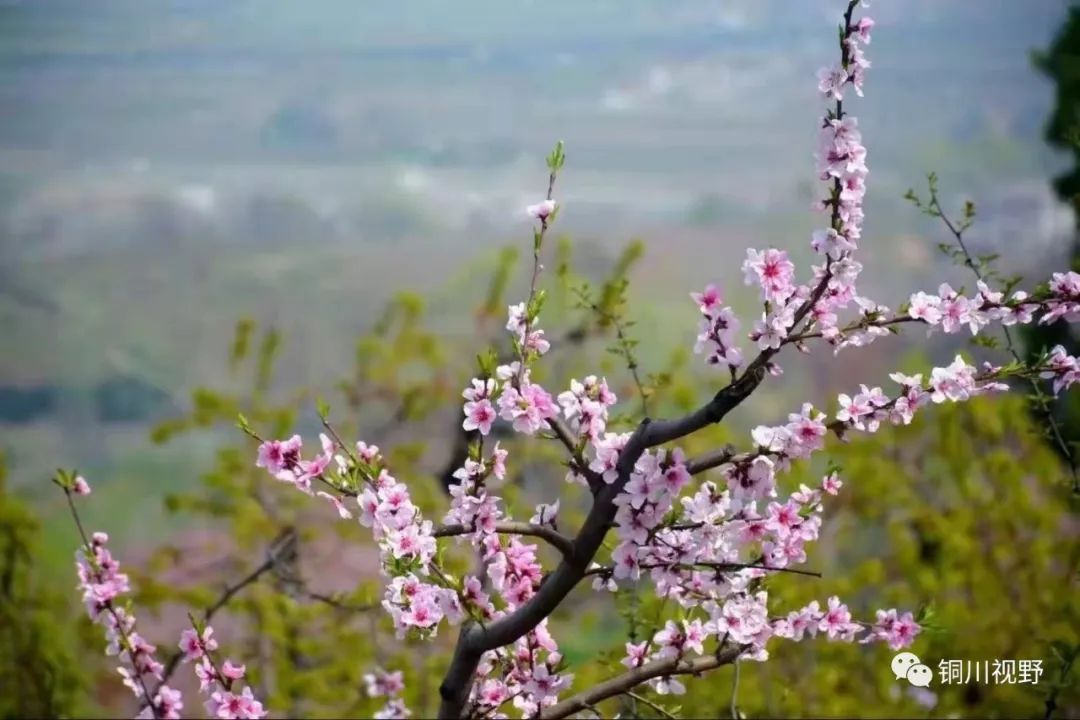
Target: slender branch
x=1038 y=395
x=620 y=684
x=117 y=621
x=717 y=566
x=560 y=542
x=538 y=243
x=861 y=324
x=712 y=459
x=624 y=346
x=735 y=693
x=335 y=603
x=232 y=590
x=646 y=701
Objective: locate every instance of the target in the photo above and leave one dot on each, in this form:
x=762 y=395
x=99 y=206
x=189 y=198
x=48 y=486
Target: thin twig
x=281 y=545
x=1038 y=396
x=646 y=701
x=735 y=692
x=620 y=684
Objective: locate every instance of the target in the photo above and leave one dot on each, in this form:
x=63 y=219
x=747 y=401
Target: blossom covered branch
x=102 y=585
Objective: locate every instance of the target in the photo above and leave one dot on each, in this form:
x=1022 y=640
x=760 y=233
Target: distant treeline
x=120 y=398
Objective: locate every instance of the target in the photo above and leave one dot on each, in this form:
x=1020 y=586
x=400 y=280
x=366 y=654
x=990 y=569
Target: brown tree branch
x=474 y=640
x=283 y=544
x=554 y=538
x=621 y=684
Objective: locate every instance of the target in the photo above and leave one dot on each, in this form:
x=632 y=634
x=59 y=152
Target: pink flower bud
x=541 y=210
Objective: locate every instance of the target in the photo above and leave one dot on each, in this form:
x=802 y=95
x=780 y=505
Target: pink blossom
x=541 y=210
x=279 y=455
x=830 y=242
x=80 y=486
x=837 y=620
x=167 y=702
x=853 y=408
x=367 y=453
x=954 y=382
x=773 y=271
x=831 y=483
x=926 y=308
x=232 y=672
x=382 y=683
x=635 y=654
x=195 y=645
x=545 y=514
x=897 y=631
x=230 y=706
x=831 y=81
x=1063 y=368
x=529 y=408
x=709 y=300
x=863 y=28
x=498 y=462
x=479 y=416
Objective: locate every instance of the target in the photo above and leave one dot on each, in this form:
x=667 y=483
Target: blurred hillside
x=166 y=167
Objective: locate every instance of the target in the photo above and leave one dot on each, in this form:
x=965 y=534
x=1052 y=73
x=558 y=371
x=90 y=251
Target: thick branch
x=474 y=639
x=632 y=678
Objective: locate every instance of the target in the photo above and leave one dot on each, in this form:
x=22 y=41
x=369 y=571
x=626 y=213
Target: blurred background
x=168 y=168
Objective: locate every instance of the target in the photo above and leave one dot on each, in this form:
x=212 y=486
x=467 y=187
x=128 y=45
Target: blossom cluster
x=952 y=311
x=389 y=685
x=711 y=553
x=197 y=646
x=842 y=165
x=585 y=406
x=717 y=330
x=102 y=584
x=418 y=595
x=526 y=673
x=406 y=541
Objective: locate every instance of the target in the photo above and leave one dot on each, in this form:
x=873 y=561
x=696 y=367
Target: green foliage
x=39 y=672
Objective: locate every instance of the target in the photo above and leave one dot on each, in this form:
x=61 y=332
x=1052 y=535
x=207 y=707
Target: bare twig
x=280 y=545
